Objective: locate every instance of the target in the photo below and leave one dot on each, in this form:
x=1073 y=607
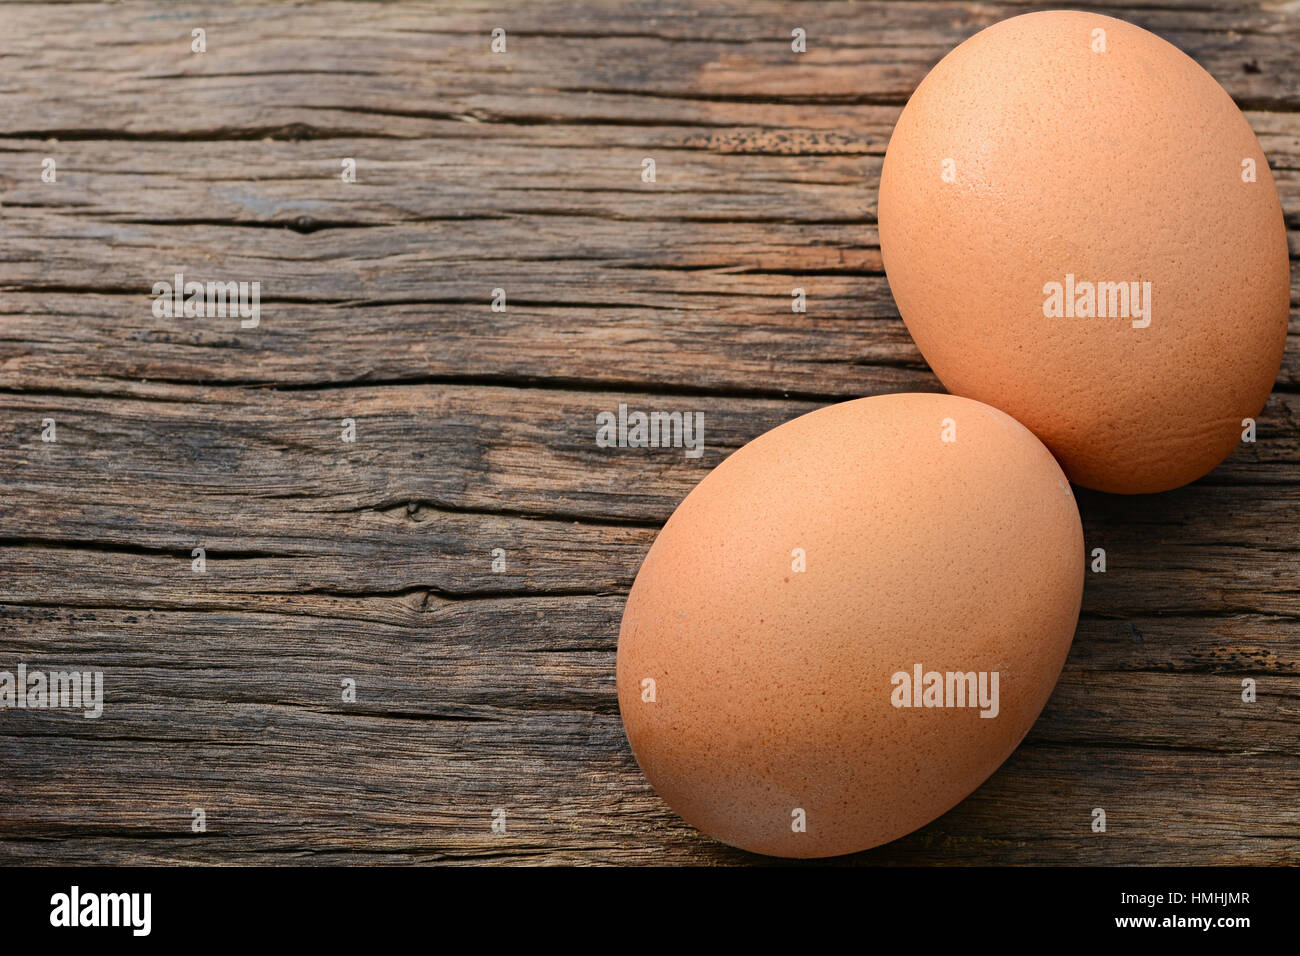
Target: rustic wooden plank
x=386 y=574
x=433 y=706
x=263 y=481
x=741 y=341
x=361 y=805
x=414 y=61
x=589 y=289
x=481 y=447
x=777 y=173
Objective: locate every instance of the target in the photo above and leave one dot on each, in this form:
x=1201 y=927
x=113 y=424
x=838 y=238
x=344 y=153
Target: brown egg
x=816 y=576
x=1080 y=228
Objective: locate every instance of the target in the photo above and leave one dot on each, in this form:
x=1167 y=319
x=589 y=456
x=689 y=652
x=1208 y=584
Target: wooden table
x=372 y=561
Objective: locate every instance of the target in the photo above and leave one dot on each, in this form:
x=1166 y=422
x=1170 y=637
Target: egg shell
x=772 y=687
x=1029 y=154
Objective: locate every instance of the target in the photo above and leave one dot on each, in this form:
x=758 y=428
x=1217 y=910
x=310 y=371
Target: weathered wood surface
x=476 y=428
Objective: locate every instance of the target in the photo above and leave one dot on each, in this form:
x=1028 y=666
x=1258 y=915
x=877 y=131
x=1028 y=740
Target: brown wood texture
x=475 y=429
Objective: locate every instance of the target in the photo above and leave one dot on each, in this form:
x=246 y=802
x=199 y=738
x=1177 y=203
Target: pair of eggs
x=853 y=621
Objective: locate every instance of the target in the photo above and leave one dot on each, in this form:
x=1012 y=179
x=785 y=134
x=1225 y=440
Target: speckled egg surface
x=1080 y=228
x=850 y=623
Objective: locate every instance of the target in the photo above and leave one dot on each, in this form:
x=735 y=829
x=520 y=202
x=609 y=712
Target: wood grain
x=371 y=561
